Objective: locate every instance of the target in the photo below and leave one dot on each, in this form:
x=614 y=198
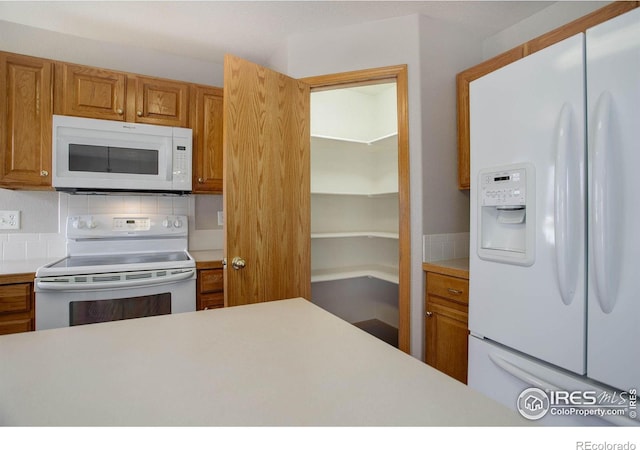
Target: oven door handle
x=53 y=285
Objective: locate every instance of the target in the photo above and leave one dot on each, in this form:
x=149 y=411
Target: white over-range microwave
x=106 y=155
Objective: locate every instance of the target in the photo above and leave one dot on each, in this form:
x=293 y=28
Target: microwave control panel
x=504 y=188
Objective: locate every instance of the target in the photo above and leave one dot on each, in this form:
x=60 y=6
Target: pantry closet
x=355 y=220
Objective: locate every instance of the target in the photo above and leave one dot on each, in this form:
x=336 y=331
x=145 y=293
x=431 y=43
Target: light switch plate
x=9 y=220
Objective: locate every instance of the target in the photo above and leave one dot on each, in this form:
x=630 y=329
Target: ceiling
x=250 y=29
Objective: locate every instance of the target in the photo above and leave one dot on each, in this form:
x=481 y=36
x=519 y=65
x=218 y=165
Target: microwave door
x=91 y=163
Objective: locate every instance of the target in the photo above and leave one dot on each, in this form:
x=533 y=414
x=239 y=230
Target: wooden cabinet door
x=159 y=102
x=25 y=121
x=447 y=340
x=446 y=324
x=16 y=307
x=210 y=292
x=266 y=184
x=90 y=92
x=206 y=122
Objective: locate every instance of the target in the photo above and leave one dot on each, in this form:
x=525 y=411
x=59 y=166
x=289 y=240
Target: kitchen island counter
x=286 y=362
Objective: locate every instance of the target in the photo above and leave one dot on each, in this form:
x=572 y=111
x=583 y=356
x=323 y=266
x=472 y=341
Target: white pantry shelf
x=384 y=273
x=348 y=234
x=357 y=194
x=380 y=142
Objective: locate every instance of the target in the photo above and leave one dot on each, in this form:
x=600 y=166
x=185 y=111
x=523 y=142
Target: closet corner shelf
x=375 y=141
x=384 y=273
x=358 y=194
x=348 y=234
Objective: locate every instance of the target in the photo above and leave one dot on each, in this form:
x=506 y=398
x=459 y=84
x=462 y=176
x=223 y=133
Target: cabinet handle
x=200 y=180
x=429 y=314
x=120 y=111
x=44 y=173
x=139 y=113
x=454 y=291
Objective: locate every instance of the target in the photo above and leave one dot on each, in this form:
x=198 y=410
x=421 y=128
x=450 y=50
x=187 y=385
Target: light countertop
x=207 y=259
x=286 y=362
x=453 y=267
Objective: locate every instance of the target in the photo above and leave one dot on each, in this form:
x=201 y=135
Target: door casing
x=397 y=74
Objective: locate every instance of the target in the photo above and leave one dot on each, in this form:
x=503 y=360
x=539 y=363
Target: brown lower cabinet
x=210 y=288
x=446 y=324
x=16 y=303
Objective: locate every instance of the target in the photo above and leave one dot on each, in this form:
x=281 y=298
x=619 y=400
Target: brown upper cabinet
x=206 y=122
x=467 y=76
x=25 y=122
x=158 y=101
x=90 y=92
x=105 y=94
x=34 y=89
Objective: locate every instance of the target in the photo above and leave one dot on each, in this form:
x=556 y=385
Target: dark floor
x=380 y=330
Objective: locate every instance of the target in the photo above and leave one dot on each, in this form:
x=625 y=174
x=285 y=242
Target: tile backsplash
x=20 y=246
x=438 y=247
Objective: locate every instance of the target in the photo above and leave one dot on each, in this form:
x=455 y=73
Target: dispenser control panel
x=503 y=188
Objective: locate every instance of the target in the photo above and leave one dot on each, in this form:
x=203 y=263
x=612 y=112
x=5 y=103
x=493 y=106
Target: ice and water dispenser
x=506 y=214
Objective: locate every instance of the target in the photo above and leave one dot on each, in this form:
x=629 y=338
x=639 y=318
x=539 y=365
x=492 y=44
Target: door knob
x=238 y=263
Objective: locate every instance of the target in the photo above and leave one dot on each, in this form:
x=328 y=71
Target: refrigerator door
x=613 y=99
x=503 y=375
x=531 y=113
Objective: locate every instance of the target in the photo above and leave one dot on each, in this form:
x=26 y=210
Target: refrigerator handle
x=567 y=200
x=601 y=234
x=522 y=374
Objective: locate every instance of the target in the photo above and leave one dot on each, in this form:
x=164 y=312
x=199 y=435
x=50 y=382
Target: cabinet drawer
x=20 y=325
x=210 y=280
x=15 y=298
x=456 y=289
x=211 y=301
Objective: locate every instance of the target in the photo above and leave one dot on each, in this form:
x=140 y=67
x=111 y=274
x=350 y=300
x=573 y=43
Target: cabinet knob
x=200 y=180
x=139 y=113
x=454 y=291
x=429 y=314
x=44 y=173
x=120 y=111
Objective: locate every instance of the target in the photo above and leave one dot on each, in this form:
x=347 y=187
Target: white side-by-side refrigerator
x=555 y=228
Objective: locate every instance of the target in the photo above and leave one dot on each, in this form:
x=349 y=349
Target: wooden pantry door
x=266 y=184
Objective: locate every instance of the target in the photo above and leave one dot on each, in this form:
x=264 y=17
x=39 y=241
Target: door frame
x=397 y=74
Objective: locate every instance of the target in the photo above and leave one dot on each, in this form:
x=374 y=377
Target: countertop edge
x=452 y=267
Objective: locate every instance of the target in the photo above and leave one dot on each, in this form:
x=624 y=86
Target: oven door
x=60 y=306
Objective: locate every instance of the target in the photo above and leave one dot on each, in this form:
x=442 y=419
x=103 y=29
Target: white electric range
x=119 y=266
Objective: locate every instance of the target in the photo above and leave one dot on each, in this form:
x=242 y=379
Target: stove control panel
x=122 y=225
x=131 y=224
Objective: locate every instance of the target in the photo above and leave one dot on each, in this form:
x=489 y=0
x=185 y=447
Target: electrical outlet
x=220 y=218
x=9 y=220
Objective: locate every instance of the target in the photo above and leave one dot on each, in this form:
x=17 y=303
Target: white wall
x=444 y=51
x=32 y=41
x=546 y=20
